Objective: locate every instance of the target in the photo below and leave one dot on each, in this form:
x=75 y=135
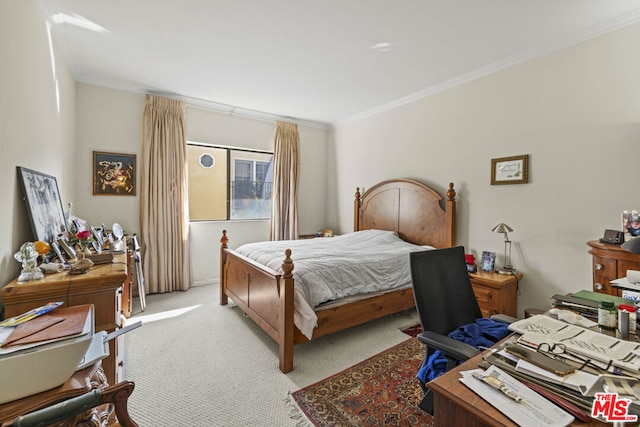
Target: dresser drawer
x=604 y=270
x=610 y=262
x=484 y=297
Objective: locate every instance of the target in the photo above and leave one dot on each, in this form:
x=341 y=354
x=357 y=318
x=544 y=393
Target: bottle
x=607 y=315
x=631 y=310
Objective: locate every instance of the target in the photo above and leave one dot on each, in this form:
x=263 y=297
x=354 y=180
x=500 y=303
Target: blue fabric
x=483 y=332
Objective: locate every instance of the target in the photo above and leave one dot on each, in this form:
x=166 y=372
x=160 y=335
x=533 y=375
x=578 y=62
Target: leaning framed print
x=488 y=261
x=510 y=170
x=44 y=206
x=631 y=223
x=114 y=174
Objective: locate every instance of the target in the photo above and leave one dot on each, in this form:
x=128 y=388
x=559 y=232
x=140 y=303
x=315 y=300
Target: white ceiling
x=312 y=60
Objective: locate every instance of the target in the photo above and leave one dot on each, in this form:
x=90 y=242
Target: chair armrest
x=450 y=347
x=503 y=318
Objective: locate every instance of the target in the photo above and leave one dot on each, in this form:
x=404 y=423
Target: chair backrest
x=442 y=290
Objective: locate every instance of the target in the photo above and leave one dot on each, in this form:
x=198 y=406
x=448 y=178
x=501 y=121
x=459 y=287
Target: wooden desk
x=101 y=286
x=456 y=405
x=81 y=382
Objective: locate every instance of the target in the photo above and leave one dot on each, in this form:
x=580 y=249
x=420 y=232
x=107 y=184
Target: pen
x=31 y=314
x=498 y=385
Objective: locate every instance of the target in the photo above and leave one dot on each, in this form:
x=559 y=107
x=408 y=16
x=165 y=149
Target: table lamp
x=504 y=228
x=632 y=245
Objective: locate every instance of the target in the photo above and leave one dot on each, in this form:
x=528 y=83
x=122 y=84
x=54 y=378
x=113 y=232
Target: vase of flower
x=84 y=238
x=85 y=249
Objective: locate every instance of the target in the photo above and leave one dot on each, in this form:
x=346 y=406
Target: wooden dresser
x=101 y=286
x=496 y=293
x=610 y=262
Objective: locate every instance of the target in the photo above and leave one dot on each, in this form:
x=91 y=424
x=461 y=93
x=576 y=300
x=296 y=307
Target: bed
x=413 y=211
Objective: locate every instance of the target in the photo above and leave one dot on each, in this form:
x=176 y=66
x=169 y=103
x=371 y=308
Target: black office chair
x=445 y=302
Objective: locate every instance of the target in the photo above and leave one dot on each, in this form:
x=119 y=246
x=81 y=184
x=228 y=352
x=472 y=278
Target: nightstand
x=496 y=293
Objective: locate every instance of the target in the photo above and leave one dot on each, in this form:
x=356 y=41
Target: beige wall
x=576 y=113
x=37 y=120
x=111 y=120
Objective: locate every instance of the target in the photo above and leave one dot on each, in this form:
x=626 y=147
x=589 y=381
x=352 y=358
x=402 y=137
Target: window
x=226 y=183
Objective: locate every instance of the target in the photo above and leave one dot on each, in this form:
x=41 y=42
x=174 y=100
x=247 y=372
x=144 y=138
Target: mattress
x=330 y=269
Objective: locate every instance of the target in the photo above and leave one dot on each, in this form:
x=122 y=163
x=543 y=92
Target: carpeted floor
x=380 y=391
x=199 y=364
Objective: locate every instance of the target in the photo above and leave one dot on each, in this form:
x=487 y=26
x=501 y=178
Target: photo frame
x=510 y=170
x=57 y=251
x=44 y=206
x=114 y=174
x=488 y=261
x=66 y=247
x=98 y=239
x=631 y=223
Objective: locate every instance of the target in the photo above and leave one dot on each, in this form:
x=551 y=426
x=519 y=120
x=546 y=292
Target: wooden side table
x=101 y=286
x=496 y=293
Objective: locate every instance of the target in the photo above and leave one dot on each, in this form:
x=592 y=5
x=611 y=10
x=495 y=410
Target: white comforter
x=327 y=269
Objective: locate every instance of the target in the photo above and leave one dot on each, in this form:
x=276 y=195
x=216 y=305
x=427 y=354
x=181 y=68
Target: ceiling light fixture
x=381 y=47
x=78 y=21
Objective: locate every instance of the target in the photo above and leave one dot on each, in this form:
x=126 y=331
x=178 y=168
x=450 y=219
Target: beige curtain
x=164 y=212
x=286 y=166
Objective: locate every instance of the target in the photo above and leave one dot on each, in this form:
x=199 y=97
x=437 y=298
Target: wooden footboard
x=264 y=295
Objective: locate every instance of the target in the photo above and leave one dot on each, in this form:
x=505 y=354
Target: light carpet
x=197 y=363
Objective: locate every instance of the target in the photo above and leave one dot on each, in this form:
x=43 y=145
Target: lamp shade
x=632 y=245
x=502 y=228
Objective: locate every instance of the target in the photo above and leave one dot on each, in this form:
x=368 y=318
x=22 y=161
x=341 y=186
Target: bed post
x=450 y=211
x=286 y=315
x=356 y=211
x=223 y=260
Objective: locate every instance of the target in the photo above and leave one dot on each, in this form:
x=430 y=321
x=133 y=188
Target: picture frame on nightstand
x=488 y=261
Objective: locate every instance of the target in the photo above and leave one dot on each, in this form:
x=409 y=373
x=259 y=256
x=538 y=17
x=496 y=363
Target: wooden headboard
x=410 y=208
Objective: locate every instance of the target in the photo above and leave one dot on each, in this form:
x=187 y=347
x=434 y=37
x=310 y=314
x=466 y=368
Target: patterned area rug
x=380 y=391
x=413 y=330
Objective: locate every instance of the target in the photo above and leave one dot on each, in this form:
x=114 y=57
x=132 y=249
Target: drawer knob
x=599 y=286
x=598 y=266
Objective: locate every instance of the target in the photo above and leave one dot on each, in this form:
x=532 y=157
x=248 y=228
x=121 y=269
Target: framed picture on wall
x=114 y=174
x=41 y=194
x=488 y=261
x=510 y=170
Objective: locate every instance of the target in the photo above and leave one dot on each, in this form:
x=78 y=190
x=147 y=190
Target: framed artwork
x=41 y=194
x=510 y=170
x=631 y=223
x=114 y=174
x=488 y=261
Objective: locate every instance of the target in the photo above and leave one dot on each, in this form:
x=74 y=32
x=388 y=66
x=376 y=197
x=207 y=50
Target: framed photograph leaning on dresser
x=41 y=194
x=631 y=223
